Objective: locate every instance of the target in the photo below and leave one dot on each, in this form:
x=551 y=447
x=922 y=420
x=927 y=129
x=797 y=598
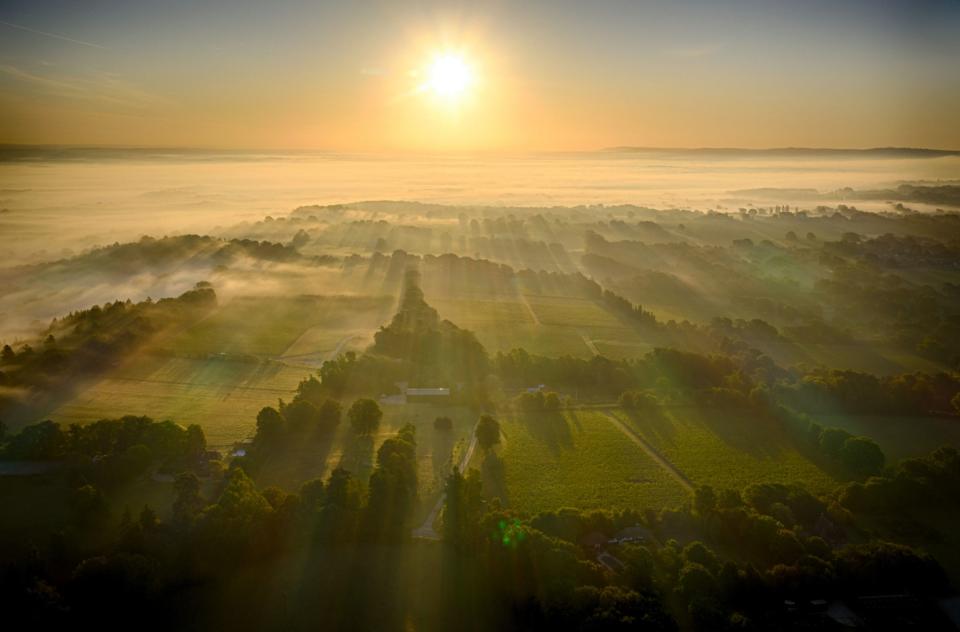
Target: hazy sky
x=549 y=74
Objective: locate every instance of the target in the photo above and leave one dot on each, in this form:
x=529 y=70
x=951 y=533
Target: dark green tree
x=364 y=416
x=488 y=432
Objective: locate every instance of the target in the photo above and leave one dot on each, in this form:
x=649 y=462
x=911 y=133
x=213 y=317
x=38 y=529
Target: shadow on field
x=654 y=425
x=357 y=457
x=494 y=478
x=300 y=461
x=549 y=427
x=441 y=454
x=756 y=434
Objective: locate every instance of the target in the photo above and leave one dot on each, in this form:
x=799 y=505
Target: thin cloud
x=53 y=35
x=99 y=87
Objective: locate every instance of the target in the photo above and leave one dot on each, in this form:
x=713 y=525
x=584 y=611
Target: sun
x=448 y=77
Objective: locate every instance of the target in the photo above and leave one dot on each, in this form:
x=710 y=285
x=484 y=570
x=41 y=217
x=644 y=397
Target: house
x=437 y=394
x=635 y=533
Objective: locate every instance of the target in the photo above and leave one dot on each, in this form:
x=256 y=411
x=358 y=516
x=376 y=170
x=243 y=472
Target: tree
x=862 y=455
x=365 y=415
x=301 y=416
x=270 y=426
x=329 y=414
x=704 y=500
x=8 y=354
x=551 y=401
x=488 y=432
x=462 y=507
x=443 y=424
x=188 y=503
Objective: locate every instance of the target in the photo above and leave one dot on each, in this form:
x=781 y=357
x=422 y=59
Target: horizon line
x=614 y=148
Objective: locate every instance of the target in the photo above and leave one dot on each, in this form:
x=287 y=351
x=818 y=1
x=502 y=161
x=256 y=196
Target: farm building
x=428 y=395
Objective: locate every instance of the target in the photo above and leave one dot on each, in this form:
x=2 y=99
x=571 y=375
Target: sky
x=543 y=75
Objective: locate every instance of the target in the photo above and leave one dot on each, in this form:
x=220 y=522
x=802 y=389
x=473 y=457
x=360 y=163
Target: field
x=222 y=396
x=725 y=450
x=193 y=375
x=544 y=325
x=276 y=326
x=579 y=459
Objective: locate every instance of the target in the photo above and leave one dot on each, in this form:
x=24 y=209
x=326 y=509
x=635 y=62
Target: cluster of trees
x=439 y=350
x=778 y=543
x=538 y=401
x=822 y=390
x=302 y=421
x=625 y=308
x=638 y=401
x=928 y=484
x=744 y=553
x=112 y=451
x=84 y=343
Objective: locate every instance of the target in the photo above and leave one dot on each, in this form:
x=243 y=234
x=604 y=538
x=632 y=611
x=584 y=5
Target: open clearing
x=579 y=459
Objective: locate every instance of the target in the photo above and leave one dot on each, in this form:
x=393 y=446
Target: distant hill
x=797 y=152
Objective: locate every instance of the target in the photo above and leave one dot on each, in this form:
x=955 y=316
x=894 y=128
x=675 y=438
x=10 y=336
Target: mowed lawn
x=578 y=459
x=725 y=449
x=220 y=395
x=269 y=325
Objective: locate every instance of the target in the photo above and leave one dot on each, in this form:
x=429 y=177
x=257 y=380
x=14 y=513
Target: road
x=652 y=452
x=426 y=530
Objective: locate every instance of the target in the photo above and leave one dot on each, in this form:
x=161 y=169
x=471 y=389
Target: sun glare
x=448 y=77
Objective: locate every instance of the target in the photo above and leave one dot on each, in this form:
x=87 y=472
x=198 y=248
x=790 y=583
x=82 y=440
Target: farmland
x=562 y=326
x=222 y=396
x=726 y=450
x=579 y=459
x=276 y=326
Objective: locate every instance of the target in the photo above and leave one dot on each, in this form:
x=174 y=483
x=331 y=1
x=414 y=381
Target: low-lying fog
x=51 y=206
x=57 y=206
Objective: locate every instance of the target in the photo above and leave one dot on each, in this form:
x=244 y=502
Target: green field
x=479 y=314
x=564 y=323
x=579 y=459
x=222 y=396
x=726 y=450
x=565 y=310
x=269 y=326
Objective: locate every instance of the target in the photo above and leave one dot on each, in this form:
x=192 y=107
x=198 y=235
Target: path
x=666 y=465
x=426 y=530
x=592 y=347
x=526 y=303
x=317 y=357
